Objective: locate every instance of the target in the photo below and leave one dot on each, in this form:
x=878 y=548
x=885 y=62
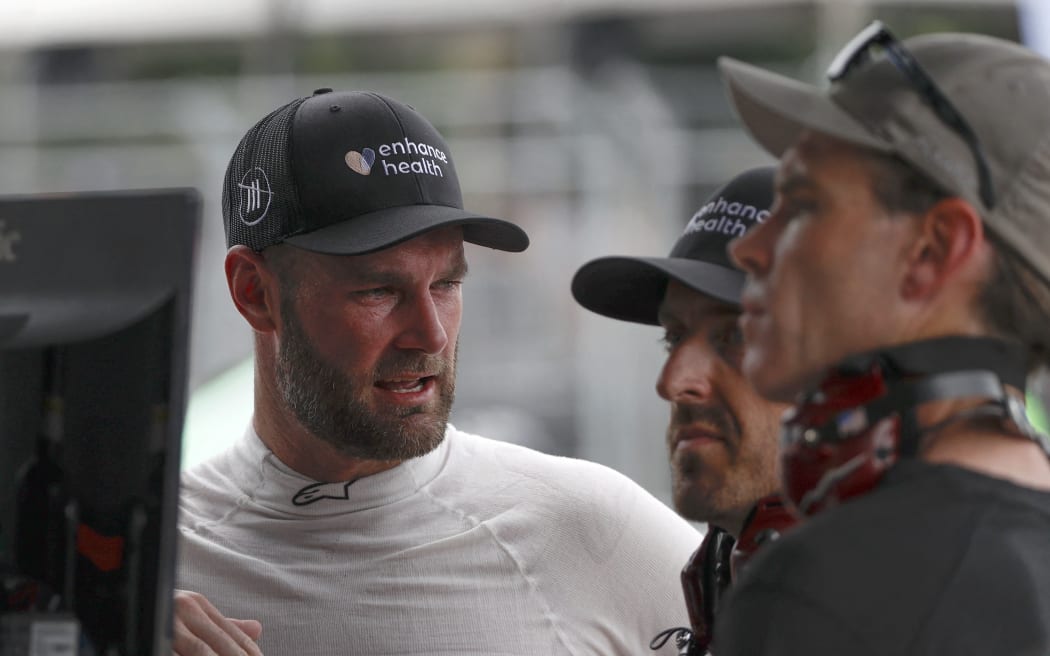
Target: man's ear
x=253 y=288
x=950 y=239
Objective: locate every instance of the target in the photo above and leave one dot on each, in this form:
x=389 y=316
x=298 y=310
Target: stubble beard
x=332 y=405
x=700 y=491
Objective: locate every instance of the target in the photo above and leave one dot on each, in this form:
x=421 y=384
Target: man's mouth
x=696 y=435
x=405 y=385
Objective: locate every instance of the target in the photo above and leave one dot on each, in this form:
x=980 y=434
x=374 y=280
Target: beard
x=708 y=489
x=333 y=405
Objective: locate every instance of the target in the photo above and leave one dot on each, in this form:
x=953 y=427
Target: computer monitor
x=94 y=324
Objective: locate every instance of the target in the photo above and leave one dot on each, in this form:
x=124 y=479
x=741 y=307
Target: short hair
x=1014 y=302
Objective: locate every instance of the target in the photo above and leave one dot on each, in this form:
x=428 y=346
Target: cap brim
x=631 y=288
x=776 y=110
x=377 y=230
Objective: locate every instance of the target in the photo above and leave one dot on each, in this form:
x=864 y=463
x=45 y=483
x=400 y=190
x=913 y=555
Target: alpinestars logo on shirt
x=318 y=491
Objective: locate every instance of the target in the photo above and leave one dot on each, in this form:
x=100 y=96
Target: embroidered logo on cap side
x=318 y=491
x=361 y=162
x=255 y=196
x=726 y=217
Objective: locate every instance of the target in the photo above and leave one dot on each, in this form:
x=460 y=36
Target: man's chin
x=417 y=434
x=693 y=503
x=396 y=439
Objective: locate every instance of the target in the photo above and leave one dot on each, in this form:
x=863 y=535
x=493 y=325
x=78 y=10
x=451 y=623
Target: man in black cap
x=352 y=518
x=899 y=293
x=722 y=436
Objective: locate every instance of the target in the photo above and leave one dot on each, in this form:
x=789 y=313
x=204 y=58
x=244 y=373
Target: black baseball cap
x=348 y=172
x=631 y=288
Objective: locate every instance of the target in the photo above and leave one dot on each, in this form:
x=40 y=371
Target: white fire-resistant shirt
x=479 y=547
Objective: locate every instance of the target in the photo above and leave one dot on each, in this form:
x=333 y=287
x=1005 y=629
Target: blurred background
x=598 y=125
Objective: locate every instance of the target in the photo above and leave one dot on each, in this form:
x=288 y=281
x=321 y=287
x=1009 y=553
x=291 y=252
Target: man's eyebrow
x=458 y=269
x=394 y=277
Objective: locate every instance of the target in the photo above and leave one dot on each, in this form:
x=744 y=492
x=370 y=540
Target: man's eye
x=670 y=339
x=374 y=293
x=449 y=284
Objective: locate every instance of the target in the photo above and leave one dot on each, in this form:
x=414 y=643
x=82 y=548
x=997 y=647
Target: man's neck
x=985 y=447
x=313 y=457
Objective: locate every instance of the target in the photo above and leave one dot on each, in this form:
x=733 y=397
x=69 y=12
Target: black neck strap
x=943 y=368
x=1005 y=359
x=905 y=398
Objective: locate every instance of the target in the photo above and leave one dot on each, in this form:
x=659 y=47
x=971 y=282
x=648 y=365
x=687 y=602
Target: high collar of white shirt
x=274 y=485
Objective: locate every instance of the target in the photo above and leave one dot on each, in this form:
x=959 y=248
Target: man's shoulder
x=513 y=461
x=925 y=523
x=208 y=488
x=854 y=536
x=563 y=488
x=564 y=517
x=827 y=581
x=903 y=564
x=918 y=518
x=207 y=474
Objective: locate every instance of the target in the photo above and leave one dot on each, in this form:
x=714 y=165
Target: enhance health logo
x=724 y=217
x=361 y=162
x=428 y=159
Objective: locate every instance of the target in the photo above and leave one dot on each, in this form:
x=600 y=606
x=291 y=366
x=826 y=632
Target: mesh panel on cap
x=260 y=203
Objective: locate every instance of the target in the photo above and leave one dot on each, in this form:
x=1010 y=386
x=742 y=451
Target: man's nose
x=424 y=329
x=687 y=373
